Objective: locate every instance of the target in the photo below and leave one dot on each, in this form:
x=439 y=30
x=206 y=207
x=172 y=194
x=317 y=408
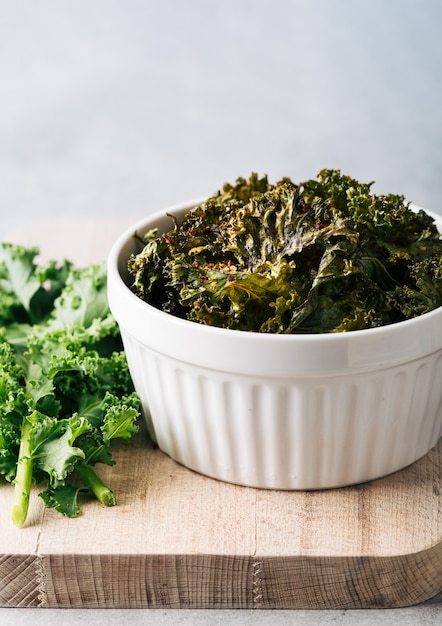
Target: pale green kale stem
x=23 y=478
x=100 y=490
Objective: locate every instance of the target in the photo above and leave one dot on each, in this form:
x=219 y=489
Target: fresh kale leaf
x=65 y=388
x=28 y=290
x=63 y=498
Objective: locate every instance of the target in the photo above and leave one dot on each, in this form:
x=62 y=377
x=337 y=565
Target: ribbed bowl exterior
x=315 y=432
x=274 y=411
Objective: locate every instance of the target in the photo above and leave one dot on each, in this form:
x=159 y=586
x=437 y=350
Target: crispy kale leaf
x=326 y=255
x=65 y=388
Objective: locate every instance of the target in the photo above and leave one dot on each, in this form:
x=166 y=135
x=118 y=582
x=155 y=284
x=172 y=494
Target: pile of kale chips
x=326 y=255
x=65 y=388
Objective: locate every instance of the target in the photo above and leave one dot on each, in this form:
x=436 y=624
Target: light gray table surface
x=111 y=108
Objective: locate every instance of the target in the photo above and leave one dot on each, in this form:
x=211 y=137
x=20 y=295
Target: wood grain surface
x=180 y=539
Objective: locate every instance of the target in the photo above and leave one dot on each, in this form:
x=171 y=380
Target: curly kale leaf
x=28 y=290
x=12 y=408
x=65 y=388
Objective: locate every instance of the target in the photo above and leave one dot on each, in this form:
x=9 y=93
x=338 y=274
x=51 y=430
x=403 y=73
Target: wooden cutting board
x=177 y=539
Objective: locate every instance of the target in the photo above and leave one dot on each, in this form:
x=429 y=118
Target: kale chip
x=325 y=255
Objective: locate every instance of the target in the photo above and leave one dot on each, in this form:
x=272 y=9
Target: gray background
x=113 y=108
x=125 y=107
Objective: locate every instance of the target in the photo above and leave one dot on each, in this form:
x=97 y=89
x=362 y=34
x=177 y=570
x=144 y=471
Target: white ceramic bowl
x=280 y=411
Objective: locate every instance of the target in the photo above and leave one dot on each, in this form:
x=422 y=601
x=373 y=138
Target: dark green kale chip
x=326 y=255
